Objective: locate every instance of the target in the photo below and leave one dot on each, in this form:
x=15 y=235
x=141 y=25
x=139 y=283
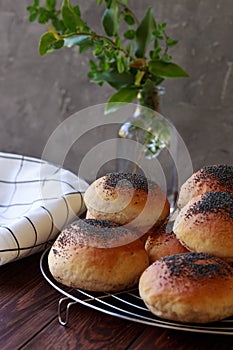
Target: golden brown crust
x=89 y=216
x=208 y=179
x=205 y=224
x=190 y=287
x=127 y=199
x=161 y=243
x=95 y=255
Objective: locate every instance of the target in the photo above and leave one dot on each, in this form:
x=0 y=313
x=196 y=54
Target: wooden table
x=28 y=320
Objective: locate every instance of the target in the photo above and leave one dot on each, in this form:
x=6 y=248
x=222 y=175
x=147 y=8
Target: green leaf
x=76 y=40
x=110 y=20
x=58 y=24
x=51 y=4
x=129 y=18
x=109 y=3
x=121 y=98
x=120 y=62
x=129 y=48
x=162 y=26
x=70 y=18
x=93 y=65
x=120 y=65
x=158 y=34
x=114 y=79
x=166 y=70
x=57 y=45
x=48 y=43
x=36 y=3
x=30 y=8
x=144 y=33
x=33 y=14
x=171 y=42
x=155 y=53
x=118 y=41
x=166 y=58
x=77 y=10
x=44 y=15
x=98 y=51
x=129 y=34
x=125 y=2
x=87 y=45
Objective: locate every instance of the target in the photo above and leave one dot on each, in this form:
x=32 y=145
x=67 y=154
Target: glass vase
x=154 y=149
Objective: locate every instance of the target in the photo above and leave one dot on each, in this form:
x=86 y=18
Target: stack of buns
x=127 y=239
x=205 y=219
x=196 y=285
x=105 y=251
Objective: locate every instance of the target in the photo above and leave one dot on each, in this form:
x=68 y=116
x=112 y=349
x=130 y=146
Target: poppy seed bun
x=94 y=255
x=127 y=199
x=208 y=179
x=205 y=224
x=142 y=236
x=190 y=287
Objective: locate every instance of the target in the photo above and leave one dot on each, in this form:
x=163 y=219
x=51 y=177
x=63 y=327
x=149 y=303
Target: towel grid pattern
x=37 y=199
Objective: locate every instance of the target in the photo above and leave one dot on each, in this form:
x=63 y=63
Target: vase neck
x=150 y=98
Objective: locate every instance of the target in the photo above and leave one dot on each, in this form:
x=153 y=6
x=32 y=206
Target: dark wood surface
x=28 y=320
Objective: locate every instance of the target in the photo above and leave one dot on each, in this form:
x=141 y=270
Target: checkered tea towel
x=37 y=199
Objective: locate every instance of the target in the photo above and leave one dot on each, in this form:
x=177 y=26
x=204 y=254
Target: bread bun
x=190 y=287
x=205 y=224
x=89 y=216
x=208 y=179
x=127 y=199
x=142 y=236
x=95 y=255
x=161 y=243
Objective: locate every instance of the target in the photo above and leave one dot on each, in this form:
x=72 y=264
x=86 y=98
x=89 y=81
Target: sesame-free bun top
x=205 y=224
x=127 y=199
x=189 y=287
x=208 y=179
x=162 y=242
x=95 y=255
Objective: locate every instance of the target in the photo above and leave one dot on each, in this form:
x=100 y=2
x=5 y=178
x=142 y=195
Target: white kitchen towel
x=37 y=199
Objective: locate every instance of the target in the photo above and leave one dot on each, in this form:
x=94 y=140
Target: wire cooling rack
x=126 y=305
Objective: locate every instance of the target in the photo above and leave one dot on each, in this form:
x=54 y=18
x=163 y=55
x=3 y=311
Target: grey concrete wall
x=38 y=93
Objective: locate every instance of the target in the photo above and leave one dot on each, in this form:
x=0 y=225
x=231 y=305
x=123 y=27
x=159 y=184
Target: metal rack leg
x=64 y=321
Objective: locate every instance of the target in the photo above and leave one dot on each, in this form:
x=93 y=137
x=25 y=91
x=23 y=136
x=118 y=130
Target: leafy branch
x=127 y=59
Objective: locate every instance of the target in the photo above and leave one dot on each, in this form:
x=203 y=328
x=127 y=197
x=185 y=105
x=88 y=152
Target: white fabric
x=37 y=199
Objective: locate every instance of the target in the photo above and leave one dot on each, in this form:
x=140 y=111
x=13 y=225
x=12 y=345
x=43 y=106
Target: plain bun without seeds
x=190 y=287
x=160 y=243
